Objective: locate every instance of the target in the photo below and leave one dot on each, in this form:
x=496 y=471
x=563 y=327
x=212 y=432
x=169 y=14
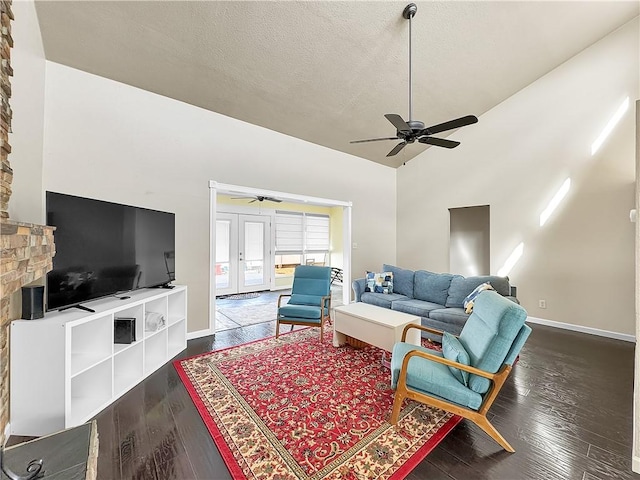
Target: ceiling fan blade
x=396 y=149
x=450 y=125
x=439 y=142
x=398 y=122
x=254 y=200
x=272 y=199
x=374 y=140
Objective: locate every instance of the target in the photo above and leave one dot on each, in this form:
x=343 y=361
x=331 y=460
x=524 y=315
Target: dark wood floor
x=566 y=409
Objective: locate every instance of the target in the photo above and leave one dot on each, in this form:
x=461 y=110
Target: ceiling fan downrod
x=408 y=13
x=411 y=131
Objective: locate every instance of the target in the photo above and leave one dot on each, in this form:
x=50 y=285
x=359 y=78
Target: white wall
x=107 y=140
x=582 y=261
x=27 y=103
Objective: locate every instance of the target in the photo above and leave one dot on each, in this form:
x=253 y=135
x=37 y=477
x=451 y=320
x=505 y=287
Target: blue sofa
x=437 y=298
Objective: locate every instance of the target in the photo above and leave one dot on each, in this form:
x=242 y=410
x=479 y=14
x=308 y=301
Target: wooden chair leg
x=277 y=329
x=397 y=406
x=490 y=430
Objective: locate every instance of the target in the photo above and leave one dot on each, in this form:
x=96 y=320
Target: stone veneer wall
x=26 y=256
x=26 y=250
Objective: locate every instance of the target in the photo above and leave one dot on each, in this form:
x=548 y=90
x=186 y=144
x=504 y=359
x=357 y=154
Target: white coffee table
x=376 y=326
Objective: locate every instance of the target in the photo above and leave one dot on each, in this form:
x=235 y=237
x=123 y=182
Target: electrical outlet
x=542 y=303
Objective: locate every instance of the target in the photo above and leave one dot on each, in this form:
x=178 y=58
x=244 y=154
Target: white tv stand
x=65 y=367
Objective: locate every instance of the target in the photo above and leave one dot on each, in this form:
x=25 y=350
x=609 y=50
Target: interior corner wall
x=27 y=104
x=635 y=460
x=111 y=141
x=515 y=159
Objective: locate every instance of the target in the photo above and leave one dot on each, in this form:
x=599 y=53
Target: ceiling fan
x=259 y=198
x=412 y=130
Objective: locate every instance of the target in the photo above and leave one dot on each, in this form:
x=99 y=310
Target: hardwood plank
x=136 y=458
x=198 y=444
x=108 y=446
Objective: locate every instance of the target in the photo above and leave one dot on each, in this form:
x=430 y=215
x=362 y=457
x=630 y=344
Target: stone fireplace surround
x=26 y=250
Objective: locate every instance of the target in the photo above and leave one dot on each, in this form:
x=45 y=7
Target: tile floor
x=241 y=313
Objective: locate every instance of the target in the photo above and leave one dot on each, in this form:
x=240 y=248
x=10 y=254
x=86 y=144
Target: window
x=301 y=238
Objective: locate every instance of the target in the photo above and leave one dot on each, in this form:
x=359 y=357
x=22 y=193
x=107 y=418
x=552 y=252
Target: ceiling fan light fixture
x=410 y=131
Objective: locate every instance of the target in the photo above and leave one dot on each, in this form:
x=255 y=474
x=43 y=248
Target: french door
x=243 y=253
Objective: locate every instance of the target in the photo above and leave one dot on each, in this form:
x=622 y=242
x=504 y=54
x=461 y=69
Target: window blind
x=317 y=233
x=289 y=232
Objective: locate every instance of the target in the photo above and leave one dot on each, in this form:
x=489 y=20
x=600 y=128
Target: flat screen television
x=105 y=248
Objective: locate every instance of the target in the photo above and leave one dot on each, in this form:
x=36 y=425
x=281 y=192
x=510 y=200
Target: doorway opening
x=469 y=241
x=251 y=255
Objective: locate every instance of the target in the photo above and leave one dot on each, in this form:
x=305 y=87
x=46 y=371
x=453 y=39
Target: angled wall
x=515 y=159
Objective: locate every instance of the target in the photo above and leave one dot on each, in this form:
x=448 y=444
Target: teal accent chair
x=490 y=340
x=310 y=299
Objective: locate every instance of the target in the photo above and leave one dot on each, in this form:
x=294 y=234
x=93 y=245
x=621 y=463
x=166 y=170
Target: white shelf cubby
x=177 y=336
x=155 y=351
x=91 y=343
x=128 y=368
x=91 y=391
x=177 y=304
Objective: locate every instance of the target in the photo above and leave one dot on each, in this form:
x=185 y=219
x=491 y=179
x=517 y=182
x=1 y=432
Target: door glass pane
x=253 y=253
x=223 y=253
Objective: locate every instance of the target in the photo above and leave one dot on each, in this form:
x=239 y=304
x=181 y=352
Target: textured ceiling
x=327 y=72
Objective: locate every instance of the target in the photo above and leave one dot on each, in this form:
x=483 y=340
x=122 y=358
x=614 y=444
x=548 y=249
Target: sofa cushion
x=402 y=280
x=381 y=299
x=453 y=350
x=379 y=282
x=461 y=287
x=300 y=311
x=414 y=307
x=453 y=316
x=432 y=378
x=431 y=287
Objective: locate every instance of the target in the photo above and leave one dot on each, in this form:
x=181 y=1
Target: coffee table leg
x=386 y=360
x=339 y=339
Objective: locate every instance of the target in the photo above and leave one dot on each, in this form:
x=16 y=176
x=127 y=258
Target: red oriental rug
x=295 y=408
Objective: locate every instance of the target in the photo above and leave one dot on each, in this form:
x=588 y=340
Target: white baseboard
x=635 y=464
x=583 y=329
x=199 y=334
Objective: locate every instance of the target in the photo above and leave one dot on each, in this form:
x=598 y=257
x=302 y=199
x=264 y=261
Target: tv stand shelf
x=65 y=367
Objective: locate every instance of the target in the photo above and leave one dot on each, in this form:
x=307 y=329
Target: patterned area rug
x=295 y=408
x=250 y=314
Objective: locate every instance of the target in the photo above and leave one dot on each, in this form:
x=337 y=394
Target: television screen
x=104 y=248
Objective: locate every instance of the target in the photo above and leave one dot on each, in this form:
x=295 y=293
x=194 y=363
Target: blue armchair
x=466 y=377
x=310 y=299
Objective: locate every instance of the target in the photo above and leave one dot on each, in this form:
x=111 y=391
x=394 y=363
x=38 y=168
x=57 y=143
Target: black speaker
x=124 y=330
x=32 y=302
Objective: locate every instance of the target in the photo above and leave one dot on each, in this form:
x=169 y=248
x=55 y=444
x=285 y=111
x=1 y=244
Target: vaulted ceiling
x=327 y=72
